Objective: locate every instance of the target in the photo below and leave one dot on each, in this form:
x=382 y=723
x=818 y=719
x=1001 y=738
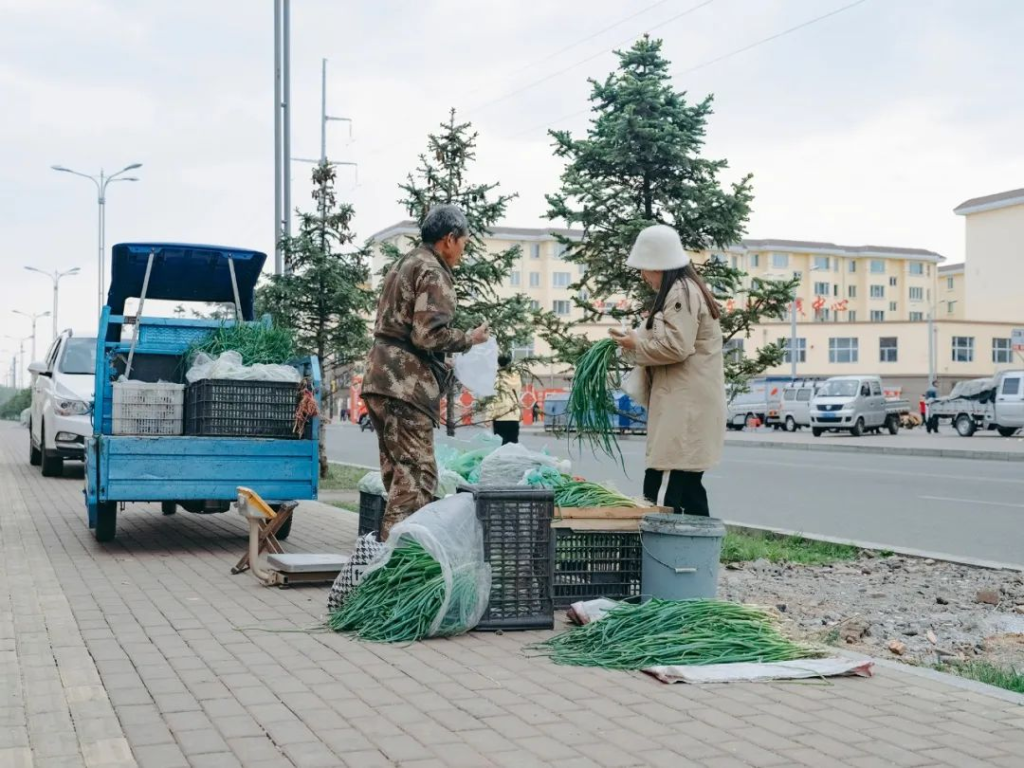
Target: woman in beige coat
x=678 y=353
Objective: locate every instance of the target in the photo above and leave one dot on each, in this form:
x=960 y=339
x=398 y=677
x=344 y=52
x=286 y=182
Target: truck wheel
x=106 y=521
x=168 y=507
x=790 y=424
x=1007 y=431
x=894 y=425
x=35 y=456
x=858 y=429
x=52 y=466
x=816 y=431
x=965 y=425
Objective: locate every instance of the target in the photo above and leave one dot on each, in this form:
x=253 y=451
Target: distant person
x=932 y=393
x=505 y=409
x=931 y=423
x=536 y=412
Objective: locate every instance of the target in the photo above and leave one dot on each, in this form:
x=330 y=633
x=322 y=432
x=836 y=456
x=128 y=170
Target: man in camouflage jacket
x=407 y=370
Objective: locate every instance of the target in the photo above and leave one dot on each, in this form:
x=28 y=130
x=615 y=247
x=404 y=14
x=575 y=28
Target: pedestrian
x=931 y=423
x=678 y=351
x=407 y=369
x=505 y=408
x=536 y=412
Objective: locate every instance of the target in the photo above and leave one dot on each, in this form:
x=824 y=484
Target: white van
x=855 y=404
x=795 y=411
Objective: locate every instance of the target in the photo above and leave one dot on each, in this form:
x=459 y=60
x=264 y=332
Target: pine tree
x=324 y=296
x=641 y=164
x=441 y=177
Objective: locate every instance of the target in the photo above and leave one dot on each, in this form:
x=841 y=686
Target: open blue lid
x=183 y=272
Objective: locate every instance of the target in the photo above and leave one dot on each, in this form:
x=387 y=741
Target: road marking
x=972 y=501
x=872 y=471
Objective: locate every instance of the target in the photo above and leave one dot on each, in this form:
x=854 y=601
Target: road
x=963 y=508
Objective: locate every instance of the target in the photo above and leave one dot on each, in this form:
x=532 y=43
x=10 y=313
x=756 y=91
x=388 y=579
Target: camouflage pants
x=405 y=437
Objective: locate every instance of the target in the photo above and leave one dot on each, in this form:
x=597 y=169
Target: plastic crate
x=231 y=408
x=592 y=564
x=371 y=512
x=520 y=548
x=147 y=408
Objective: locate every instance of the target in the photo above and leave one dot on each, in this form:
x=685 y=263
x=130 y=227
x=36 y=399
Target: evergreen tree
x=441 y=177
x=323 y=297
x=641 y=164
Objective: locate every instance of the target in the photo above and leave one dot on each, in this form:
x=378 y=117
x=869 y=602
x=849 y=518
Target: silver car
x=853 y=404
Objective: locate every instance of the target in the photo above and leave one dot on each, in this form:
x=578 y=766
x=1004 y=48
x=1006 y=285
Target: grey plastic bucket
x=680 y=556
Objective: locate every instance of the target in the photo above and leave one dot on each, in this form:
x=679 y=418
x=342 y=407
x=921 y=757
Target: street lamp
x=33 y=318
x=20 y=369
x=101 y=198
x=56 y=276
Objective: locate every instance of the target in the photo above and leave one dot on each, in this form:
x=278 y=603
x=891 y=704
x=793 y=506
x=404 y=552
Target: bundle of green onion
x=399 y=602
x=576 y=493
x=590 y=406
x=674 y=632
x=255 y=342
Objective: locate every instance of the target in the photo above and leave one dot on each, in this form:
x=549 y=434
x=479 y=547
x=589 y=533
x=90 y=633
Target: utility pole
x=931 y=344
x=282 y=130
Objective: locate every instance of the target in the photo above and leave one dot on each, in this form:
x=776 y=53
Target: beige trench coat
x=682 y=355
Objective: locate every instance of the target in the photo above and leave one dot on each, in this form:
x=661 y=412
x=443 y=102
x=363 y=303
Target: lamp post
x=33 y=318
x=19 y=371
x=55 y=276
x=101 y=183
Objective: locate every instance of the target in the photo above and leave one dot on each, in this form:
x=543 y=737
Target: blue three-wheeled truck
x=197 y=472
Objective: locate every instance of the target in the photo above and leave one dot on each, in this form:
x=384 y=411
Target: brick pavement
x=129 y=653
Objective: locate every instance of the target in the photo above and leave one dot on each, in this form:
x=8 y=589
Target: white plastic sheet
x=449 y=530
x=228 y=365
x=373 y=483
x=802 y=669
x=508 y=465
x=478 y=368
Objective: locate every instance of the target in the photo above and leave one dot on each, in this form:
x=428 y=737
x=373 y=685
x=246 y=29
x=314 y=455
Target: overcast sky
x=865 y=128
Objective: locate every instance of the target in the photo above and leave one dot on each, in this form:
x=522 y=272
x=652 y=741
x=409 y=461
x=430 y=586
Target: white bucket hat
x=658 y=248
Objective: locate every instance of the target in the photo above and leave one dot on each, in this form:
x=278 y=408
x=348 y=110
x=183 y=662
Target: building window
x=534 y=305
x=916 y=268
x=735 y=261
x=877 y=316
x=561 y=279
x=534 y=250
x=733 y=350
x=798 y=276
x=561 y=307
x=560 y=250
x=852 y=315
x=583 y=295
x=535 y=279
x=949 y=307
x=821 y=263
x=780 y=260
x=892 y=281
x=892 y=306
x=887 y=349
x=835 y=265
x=916 y=317
x=917 y=294
x=851 y=292
x=1001 y=351
x=822 y=315
x=835 y=291
x=821 y=289
x=877 y=291
x=853 y=265
x=755 y=259
x=963 y=349
x=843 y=350
x=516 y=279
x=877 y=267
x=949 y=283
x=801 y=350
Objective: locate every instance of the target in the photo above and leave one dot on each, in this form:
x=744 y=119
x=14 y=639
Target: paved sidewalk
x=129 y=654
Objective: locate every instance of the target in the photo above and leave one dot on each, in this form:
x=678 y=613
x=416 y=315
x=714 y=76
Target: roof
x=805 y=246
x=990 y=202
x=952 y=269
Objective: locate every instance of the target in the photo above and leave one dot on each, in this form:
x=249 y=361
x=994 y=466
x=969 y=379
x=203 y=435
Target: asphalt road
x=964 y=508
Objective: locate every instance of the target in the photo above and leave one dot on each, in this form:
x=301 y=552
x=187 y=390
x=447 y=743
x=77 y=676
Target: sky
x=867 y=127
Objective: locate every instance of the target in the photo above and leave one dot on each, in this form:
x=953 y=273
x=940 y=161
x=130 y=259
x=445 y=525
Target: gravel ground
x=921 y=611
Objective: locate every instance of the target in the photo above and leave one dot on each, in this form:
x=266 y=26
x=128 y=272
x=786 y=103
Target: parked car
x=795 y=411
x=759 y=403
x=855 y=404
x=62 y=391
x=995 y=404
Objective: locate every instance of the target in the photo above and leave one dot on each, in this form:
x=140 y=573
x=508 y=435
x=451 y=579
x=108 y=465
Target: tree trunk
x=323 y=448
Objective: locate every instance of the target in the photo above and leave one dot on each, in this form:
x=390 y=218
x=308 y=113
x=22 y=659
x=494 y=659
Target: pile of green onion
x=590 y=404
x=255 y=342
x=399 y=602
x=674 y=632
x=577 y=493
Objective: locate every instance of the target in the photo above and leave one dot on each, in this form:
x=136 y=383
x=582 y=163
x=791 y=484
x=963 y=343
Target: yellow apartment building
x=951 y=303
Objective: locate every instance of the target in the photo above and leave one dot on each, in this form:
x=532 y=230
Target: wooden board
x=598 y=525
x=606 y=513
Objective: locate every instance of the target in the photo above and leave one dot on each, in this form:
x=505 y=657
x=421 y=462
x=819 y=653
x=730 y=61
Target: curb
x=940 y=453
x=907 y=551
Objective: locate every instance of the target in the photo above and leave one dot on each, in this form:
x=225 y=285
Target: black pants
x=685 y=492
x=508 y=431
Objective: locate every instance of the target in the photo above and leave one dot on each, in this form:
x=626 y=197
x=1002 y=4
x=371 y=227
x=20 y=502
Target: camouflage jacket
x=414 y=333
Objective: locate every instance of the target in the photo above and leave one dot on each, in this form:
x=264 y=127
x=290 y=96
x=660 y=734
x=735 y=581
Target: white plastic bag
x=507 y=466
x=478 y=368
x=373 y=483
x=637 y=384
x=447 y=483
x=449 y=531
x=228 y=365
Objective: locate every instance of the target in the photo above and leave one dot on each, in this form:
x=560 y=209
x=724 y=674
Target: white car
x=62 y=392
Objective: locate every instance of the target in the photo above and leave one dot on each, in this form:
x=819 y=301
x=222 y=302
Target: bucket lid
x=682 y=525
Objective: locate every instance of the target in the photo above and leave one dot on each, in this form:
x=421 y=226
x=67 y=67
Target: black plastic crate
x=593 y=564
x=371 y=512
x=227 y=408
x=520 y=548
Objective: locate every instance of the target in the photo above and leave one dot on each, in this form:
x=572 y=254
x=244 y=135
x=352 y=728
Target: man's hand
x=480 y=334
x=625 y=339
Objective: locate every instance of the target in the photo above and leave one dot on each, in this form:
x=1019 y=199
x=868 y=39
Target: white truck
x=995 y=403
x=855 y=404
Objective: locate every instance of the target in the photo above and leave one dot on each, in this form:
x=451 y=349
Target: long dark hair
x=669 y=278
